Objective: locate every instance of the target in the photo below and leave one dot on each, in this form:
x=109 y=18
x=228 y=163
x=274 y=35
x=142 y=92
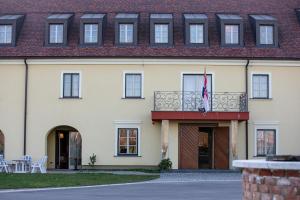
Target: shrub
x=92 y=160
x=165 y=164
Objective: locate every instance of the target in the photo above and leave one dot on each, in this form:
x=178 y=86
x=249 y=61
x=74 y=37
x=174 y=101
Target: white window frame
x=91 y=33
x=124 y=82
x=266 y=125
x=6 y=35
x=260 y=40
x=56 y=33
x=161 y=35
x=198 y=73
x=127 y=124
x=231 y=34
x=126 y=33
x=62 y=82
x=196 y=42
x=270 y=84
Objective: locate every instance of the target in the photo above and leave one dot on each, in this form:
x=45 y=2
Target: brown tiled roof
x=30 y=41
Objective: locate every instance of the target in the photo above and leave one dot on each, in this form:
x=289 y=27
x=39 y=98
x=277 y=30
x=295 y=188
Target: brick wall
x=262 y=184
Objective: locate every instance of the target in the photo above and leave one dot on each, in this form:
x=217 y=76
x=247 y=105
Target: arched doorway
x=1 y=143
x=64 y=146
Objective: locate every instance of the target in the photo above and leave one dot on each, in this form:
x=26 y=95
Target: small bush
x=92 y=160
x=165 y=164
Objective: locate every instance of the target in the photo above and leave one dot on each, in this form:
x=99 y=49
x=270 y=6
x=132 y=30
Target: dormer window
x=265 y=30
x=161 y=29
x=231 y=30
x=91 y=29
x=10 y=27
x=196 y=30
x=57 y=29
x=126 y=26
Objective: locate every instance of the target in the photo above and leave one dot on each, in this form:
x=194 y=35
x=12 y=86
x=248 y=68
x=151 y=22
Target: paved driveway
x=189 y=186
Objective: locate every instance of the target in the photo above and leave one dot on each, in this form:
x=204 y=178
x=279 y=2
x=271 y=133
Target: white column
x=234 y=135
x=164 y=138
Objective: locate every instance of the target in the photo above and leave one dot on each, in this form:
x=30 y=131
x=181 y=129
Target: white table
x=20 y=166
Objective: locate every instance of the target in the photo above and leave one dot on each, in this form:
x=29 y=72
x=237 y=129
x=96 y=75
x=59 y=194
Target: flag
x=205 y=93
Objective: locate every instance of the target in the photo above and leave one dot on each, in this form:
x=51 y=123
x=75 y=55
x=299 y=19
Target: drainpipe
x=246 y=127
x=25 y=105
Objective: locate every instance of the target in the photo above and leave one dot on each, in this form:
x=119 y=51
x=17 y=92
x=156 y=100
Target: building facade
x=125 y=82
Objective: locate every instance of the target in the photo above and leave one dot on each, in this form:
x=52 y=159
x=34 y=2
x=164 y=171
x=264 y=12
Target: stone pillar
x=233 y=135
x=164 y=139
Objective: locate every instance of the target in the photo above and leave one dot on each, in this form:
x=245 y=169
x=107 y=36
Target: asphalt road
x=181 y=190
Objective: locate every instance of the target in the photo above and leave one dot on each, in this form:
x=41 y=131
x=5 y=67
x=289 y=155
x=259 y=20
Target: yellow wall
x=101 y=105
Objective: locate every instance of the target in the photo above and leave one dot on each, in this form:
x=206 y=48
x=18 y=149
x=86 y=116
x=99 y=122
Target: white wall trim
x=133 y=72
x=150 y=61
x=127 y=124
x=270 y=82
x=62 y=81
x=266 y=125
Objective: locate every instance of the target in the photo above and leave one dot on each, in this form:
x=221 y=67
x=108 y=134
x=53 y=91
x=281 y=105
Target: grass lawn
x=14 y=181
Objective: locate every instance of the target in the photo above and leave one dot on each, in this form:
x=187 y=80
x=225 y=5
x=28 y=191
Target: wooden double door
x=203 y=147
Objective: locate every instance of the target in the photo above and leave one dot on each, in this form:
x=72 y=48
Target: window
x=57 y=28
x=90 y=33
x=265 y=29
x=56 y=33
x=133 y=85
x=265 y=142
x=196 y=33
x=161 y=33
x=266 y=34
x=5 y=34
x=127 y=141
x=126 y=33
x=260 y=86
x=71 y=85
x=231 y=34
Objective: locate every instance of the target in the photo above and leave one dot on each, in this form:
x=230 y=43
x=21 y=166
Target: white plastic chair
x=28 y=162
x=39 y=165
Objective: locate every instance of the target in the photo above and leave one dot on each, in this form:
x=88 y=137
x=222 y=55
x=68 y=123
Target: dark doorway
x=205 y=148
x=62 y=150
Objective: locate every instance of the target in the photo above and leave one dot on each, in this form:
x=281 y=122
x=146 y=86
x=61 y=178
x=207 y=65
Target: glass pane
x=196 y=33
x=232 y=34
x=133 y=133
x=161 y=33
x=74 y=149
x=5 y=34
x=67 y=85
x=75 y=85
x=56 y=33
x=132 y=141
x=266 y=34
x=126 y=33
x=123 y=149
x=91 y=33
x=132 y=150
x=123 y=141
x=133 y=85
x=122 y=132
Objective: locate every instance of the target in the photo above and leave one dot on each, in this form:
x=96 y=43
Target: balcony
x=180 y=105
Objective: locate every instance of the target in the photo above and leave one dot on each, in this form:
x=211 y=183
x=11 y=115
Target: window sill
x=70 y=98
x=261 y=98
x=127 y=156
x=142 y=98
